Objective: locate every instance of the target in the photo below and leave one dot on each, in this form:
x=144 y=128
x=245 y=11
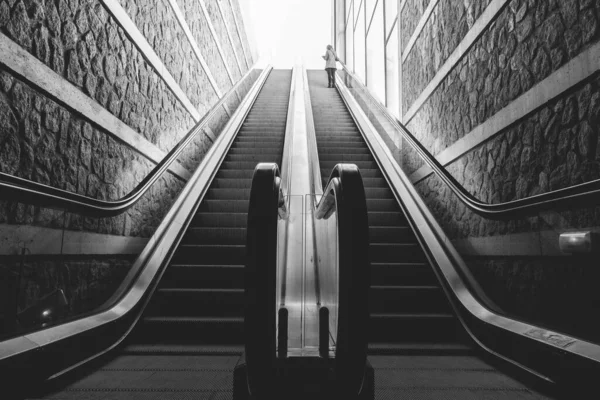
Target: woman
x=330 y=58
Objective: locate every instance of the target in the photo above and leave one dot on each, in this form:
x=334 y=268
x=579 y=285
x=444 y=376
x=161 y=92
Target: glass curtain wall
x=372 y=47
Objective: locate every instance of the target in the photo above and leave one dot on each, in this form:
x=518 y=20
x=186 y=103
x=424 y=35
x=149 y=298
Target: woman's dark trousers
x=331 y=76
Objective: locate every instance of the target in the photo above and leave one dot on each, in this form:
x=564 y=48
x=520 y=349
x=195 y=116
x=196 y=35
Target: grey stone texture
x=235 y=6
x=449 y=23
x=86 y=283
x=503 y=64
x=237 y=41
x=80 y=42
x=219 y=24
x=43 y=141
x=410 y=16
x=198 y=25
x=172 y=46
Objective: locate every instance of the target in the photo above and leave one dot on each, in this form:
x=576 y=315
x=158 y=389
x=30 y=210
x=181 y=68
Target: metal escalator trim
x=139 y=284
x=315 y=174
x=581 y=194
x=442 y=252
x=24 y=190
x=345 y=196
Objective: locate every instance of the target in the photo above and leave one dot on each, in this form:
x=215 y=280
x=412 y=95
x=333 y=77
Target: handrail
x=42 y=354
x=345 y=195
x=24 y=190
x=260 y=277
x=529 y=347
x=588 y=192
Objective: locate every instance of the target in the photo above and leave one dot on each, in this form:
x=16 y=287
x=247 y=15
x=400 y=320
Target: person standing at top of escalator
x=330 y=58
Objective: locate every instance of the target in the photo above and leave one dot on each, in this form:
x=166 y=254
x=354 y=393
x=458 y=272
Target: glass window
x=350 y=42
x=392 y=100
x=370 y=5
x=391 y=12
x=376 y=56
x=349 y=11
x=359 y=43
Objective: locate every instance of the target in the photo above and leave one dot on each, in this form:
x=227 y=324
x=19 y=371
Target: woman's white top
x=330 y=59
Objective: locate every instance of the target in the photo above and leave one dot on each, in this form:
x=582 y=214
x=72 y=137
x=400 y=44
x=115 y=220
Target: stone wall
x=554 y=146
x=449 y=23
x=411 y=14
x=52 y=142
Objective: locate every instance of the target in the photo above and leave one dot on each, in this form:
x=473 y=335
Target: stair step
x=228 y=194
x=231 y=183
x=257 y=158
x=410 y=299
x=344 y=158
x=439 y=328
x=224 y=206
x=402 y=273
x=391 y=234
x=182 y=330
x=382 y=205
x=255 y=150
x=210 y=254
x=206 y=276
x=192 y=302
x=220 y=220
x=245 y=165
x=383 y=218
x=396 y=253
x=217 y=235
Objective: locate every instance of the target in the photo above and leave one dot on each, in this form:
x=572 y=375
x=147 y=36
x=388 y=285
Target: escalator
x=418 y=347
x=189 y=337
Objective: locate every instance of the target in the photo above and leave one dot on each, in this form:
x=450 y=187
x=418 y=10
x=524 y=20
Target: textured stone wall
x=553 y=147
x=447 y=26
x=527 y=43
x=207 y=44
x=51 y=143
x=411 y=15
x=219 y=24
x=244 y=38
x=170 y=43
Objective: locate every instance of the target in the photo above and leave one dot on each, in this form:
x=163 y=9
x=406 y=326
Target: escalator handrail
x=23 y=190
x=345 y=195
x=584 y=193
x=48 y=352
x=524 y=345
x=260 y=278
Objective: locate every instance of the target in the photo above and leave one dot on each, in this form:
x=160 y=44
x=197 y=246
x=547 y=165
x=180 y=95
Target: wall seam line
x=188 y=33
x=64 y=92
x=486 y=19
x=140 y=42
x=420 y=26
x=211 y=28
x=237 y=28
x=227 y=30
x=560 y=81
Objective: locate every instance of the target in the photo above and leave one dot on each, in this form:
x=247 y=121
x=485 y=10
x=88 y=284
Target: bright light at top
x=288 y=32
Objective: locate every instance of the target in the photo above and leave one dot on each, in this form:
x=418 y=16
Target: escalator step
x=216 y=235
x=180 y=330
x=193 y=302
x=437 y=328
x=399 y=252
x=205 y=276
x=224 y=206
x=399 y=299
x=221 y=220
x=210 y=254
x=401 y=274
